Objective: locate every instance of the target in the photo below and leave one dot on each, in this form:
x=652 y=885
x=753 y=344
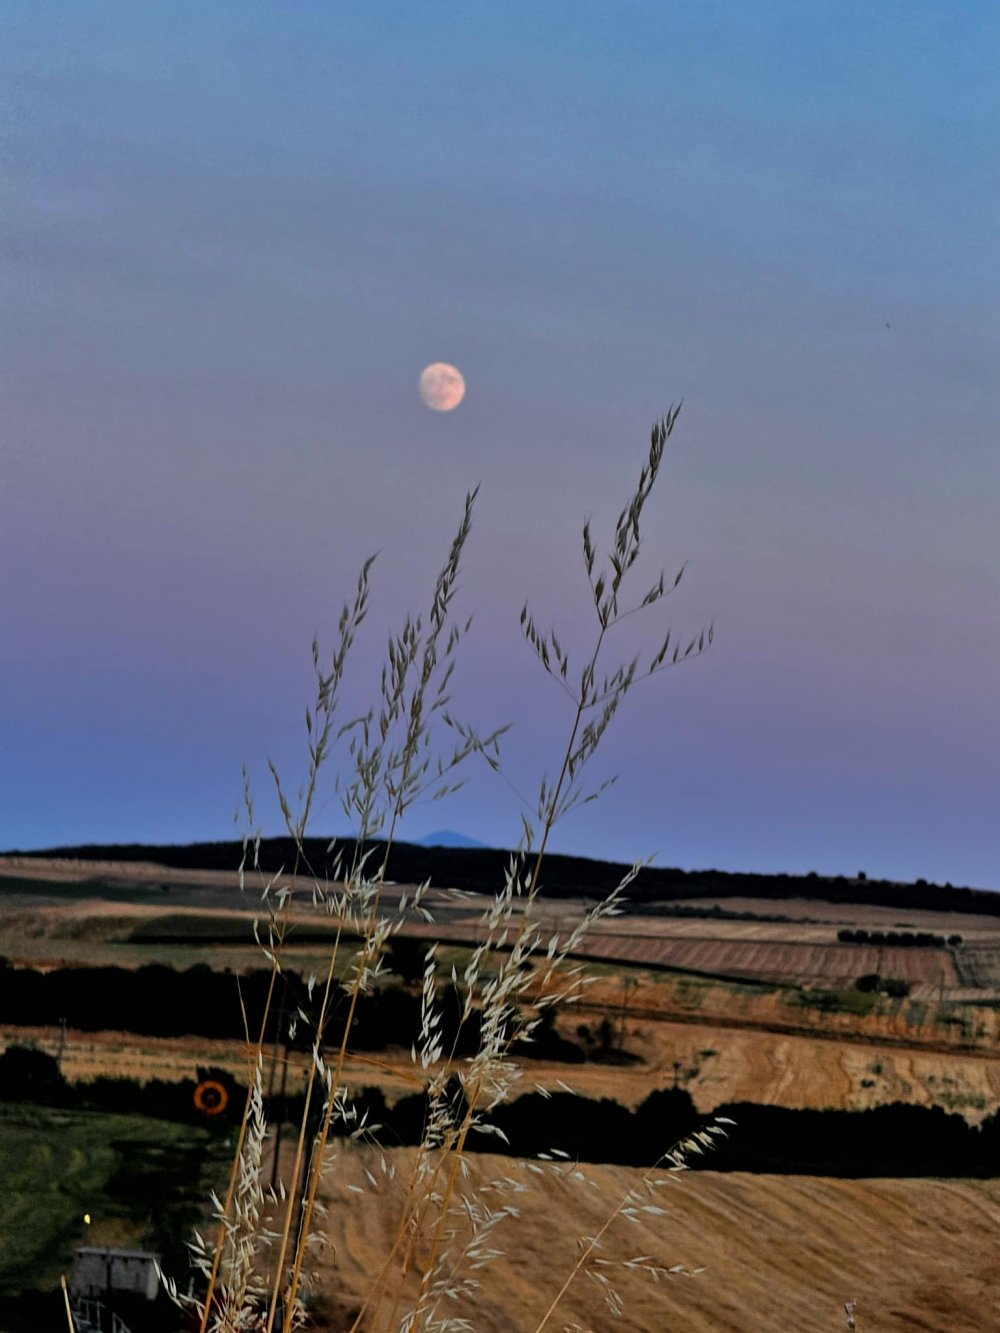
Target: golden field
x=778 y=1252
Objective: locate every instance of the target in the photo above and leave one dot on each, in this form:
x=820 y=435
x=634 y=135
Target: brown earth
x=89 y=1055
x=714 y=1064
x=52 y=933
x=872 y=916
x=817 y=1043
x=802 y=952
x=221 y=888
x=798 y=1011
x=777 y=1252
x=788 y=962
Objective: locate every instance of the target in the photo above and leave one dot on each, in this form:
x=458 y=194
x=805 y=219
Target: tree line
x=160 y=1001
x=911 y=939
x=481 y=870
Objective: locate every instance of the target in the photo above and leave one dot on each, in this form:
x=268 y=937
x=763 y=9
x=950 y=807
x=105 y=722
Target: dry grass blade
x=630 y=1203
x=516 y=975
x=69 y=1310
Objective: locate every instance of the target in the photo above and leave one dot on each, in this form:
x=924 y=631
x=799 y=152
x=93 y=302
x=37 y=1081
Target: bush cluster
x=160 y=1001
x=916 y=939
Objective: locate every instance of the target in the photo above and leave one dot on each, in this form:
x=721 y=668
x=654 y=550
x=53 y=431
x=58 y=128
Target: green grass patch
x=145 y=1183
x=859 y=1003
x=111 y=891
x=231 y=928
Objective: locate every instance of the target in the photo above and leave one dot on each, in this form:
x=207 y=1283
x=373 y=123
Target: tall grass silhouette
x=257 y=1262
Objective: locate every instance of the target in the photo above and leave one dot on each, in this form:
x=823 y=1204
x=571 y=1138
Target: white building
x=98 y=1270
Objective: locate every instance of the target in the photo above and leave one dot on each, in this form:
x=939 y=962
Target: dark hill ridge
x=481 y=870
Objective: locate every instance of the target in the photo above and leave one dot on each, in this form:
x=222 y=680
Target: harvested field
x=789 y=1029
x=151 y=913
x=89 y=1055
x=784 y=963
x=715 y=1064
x=830 y=1014
x=92 y=932
x=778 y=1252
x=872 y=916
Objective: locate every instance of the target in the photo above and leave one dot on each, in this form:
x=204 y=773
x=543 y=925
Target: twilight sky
x=233 y=233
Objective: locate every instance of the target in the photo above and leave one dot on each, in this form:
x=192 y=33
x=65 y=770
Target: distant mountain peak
x=447 y=837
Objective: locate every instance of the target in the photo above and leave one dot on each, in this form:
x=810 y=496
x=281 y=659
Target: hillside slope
x=778 y=1253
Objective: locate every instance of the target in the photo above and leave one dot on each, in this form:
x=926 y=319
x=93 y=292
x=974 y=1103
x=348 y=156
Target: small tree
x=405 y=957
x=30 y=1075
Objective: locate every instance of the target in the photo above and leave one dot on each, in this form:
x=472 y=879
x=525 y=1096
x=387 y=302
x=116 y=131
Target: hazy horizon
x=455 y=840
x=234 y=236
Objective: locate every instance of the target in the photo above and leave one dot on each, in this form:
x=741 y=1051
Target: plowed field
x=789 y=963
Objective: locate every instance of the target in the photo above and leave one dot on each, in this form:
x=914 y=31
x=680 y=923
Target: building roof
x=107 y=1252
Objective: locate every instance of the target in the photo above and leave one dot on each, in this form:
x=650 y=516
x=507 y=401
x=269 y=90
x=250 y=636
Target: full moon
x=441 y=386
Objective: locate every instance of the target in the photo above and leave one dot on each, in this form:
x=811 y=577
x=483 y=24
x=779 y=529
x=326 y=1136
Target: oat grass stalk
x=596 y=702
x=394 y=758
x=69 y=1310
x=630 y=1206
x=394 y=766
x=276 y=897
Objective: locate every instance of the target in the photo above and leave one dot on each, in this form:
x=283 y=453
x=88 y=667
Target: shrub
x=895 y=988
x=30 y=1075
x=872 y=984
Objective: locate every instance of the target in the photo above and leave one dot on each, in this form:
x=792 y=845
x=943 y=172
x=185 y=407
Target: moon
x=442 y=386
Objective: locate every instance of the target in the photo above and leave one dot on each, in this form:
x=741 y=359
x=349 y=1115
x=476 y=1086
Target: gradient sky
x=233 y=233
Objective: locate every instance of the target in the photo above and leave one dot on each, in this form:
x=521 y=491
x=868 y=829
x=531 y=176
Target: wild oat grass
x=257 y=1263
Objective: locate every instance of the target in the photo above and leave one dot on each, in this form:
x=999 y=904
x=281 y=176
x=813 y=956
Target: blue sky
x=234 y=233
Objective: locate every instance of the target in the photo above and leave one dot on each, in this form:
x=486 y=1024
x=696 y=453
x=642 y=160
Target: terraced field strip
x=787 y=962
x=113 y=1054
x=639 y=1013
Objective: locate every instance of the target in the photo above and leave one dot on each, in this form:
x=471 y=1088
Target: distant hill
x=481 y=870
x=447 y=837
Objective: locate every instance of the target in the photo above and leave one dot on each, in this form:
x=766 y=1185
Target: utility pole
x=62 y=1043
x=107 y=1281
x=279 y=1119
x=628 y=983
x=280 y=1037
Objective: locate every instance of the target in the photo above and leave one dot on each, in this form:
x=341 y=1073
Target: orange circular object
x=211 y=1097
